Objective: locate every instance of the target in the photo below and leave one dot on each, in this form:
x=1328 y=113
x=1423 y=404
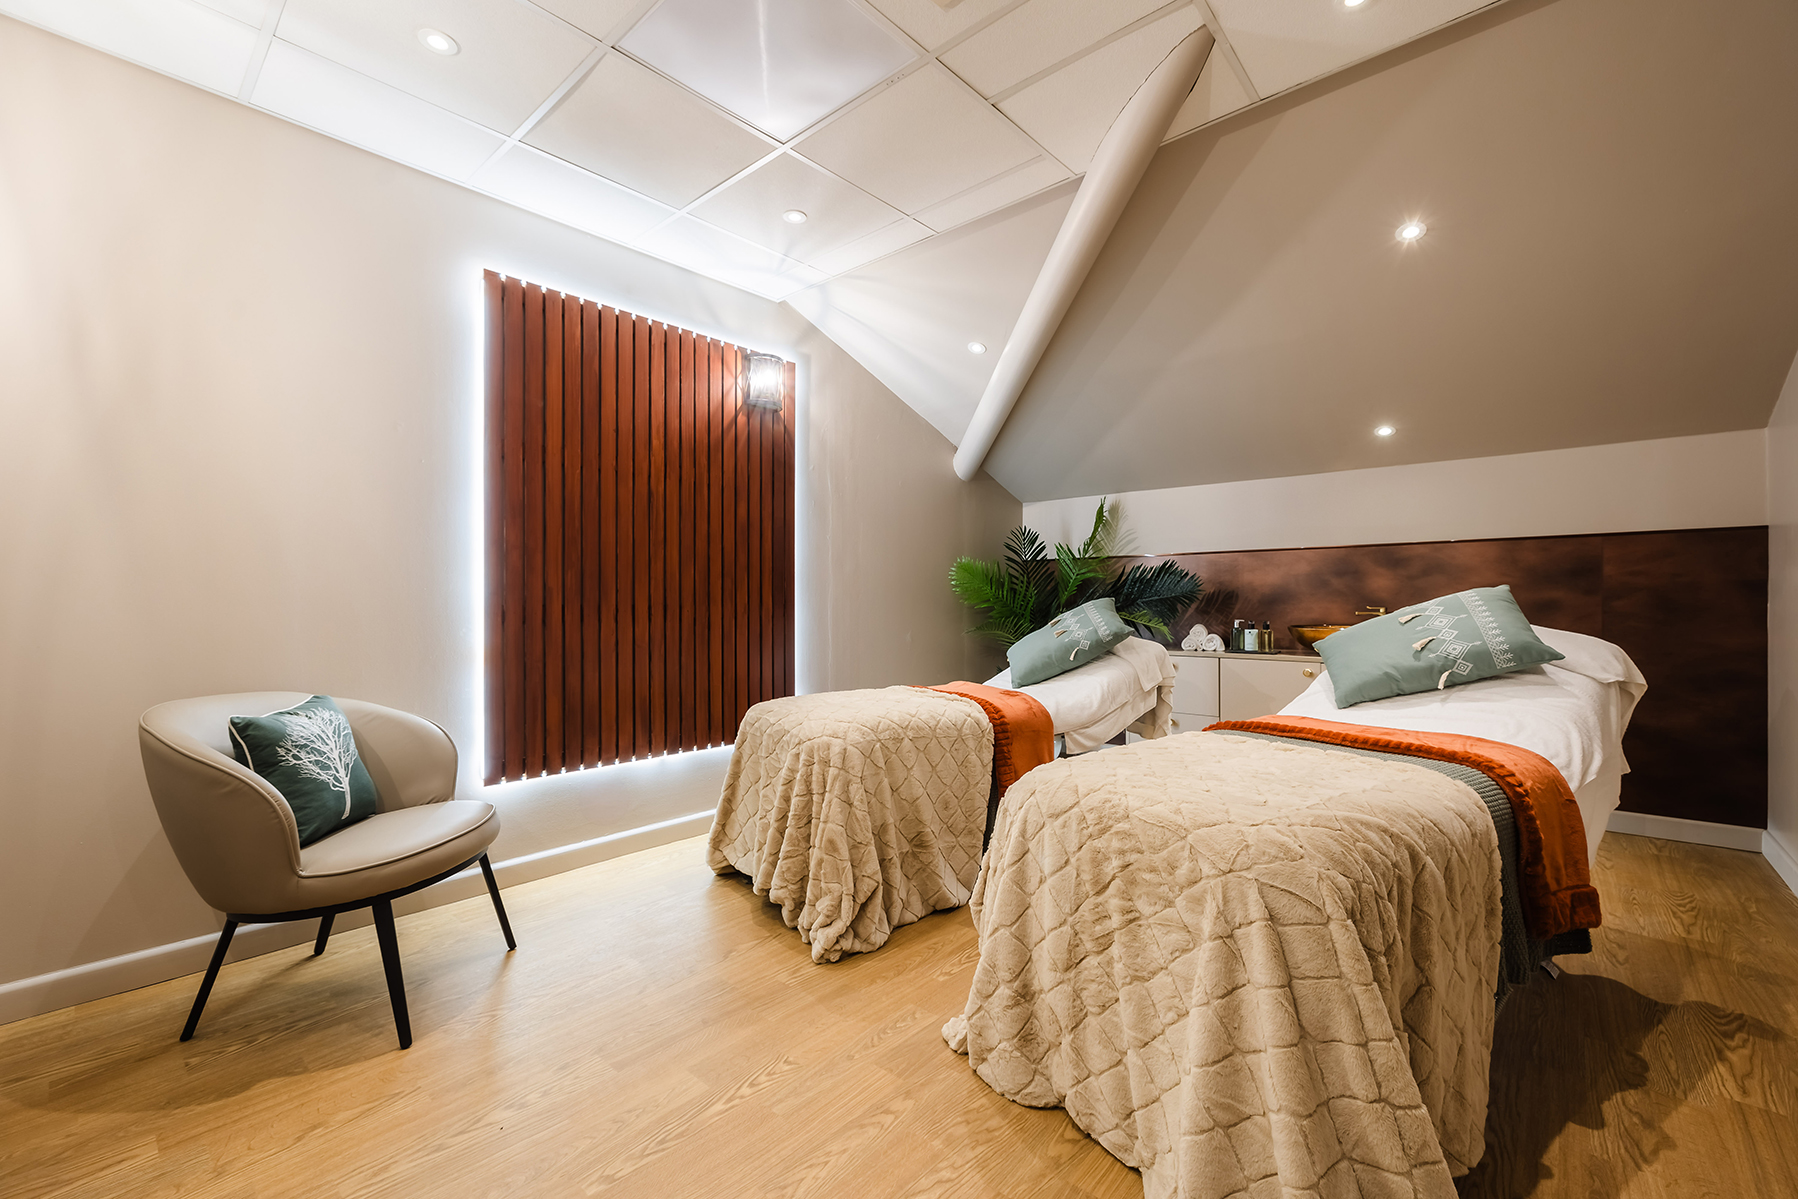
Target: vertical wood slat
x=493 y=767
x=553 y=511
x=590 y=568
x=607 y=471
x=784 y=546
x=640 y=528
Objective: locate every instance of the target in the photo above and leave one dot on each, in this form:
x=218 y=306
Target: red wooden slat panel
x=640 y=526
x=553 y=512
x=572 y=484
x=641 y=522
x=493 y=767
x=513 y=592
x=614 y=543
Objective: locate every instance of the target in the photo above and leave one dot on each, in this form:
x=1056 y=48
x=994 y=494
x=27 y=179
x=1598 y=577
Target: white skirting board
x=1781 y=857
x=1696 y=832
x=96 y=980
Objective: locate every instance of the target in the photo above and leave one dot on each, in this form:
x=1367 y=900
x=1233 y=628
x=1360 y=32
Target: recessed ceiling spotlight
x=976 y=347
x=438 y=42
x=793 y=216
x=1411 y=230
x=1353 y=3
x=1384 y=431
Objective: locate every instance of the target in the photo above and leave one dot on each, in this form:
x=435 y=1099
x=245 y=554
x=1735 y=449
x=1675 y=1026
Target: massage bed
x=1266 y=958
x=859 y=812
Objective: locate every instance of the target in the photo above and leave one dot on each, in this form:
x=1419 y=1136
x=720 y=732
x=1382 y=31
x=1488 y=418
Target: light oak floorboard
x=660 y=1032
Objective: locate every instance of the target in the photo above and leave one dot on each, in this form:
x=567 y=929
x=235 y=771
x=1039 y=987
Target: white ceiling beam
x=1117 y=168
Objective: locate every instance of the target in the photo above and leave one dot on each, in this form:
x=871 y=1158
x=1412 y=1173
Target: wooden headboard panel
x=1690 y=606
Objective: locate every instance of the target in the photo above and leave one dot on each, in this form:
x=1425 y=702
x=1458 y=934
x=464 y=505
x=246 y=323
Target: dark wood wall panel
x=640 y=524
x=1688 y=606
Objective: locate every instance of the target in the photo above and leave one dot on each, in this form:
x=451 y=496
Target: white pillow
x=1591 y=656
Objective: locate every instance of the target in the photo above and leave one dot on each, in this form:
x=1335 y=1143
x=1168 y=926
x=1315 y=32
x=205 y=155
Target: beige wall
x=1781 y=844
x=1707 y=481
x=238 y=399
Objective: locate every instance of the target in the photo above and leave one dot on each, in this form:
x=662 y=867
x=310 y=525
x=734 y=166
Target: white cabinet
x=1251 y=687
x=1213 y=687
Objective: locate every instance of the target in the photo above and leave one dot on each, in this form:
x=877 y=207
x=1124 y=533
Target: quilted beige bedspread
x=857 y=812
x=1244 y=967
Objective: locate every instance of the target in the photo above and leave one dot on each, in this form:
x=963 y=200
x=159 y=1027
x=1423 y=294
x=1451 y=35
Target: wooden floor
x=661 y=1033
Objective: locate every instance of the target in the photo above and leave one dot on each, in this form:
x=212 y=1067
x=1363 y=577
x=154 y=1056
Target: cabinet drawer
x=1195 y=684
x=1247 y=688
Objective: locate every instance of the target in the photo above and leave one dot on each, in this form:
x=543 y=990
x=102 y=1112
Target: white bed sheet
x=1573 y=712
x=1091 y=704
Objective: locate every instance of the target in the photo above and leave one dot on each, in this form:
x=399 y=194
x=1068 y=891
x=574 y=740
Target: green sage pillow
x=308 y=754
x=1072 y=639
x=1460 y=638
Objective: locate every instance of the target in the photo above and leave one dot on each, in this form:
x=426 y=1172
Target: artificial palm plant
x=1027 y=587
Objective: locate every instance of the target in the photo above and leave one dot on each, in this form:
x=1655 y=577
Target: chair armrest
x=411 y=760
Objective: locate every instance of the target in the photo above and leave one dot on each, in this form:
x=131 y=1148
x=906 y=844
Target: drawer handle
x=1308 y=673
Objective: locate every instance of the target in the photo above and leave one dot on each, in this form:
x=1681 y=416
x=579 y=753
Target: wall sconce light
x=767 y=380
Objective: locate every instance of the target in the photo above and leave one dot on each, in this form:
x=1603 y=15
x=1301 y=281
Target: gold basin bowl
x=1308 y=635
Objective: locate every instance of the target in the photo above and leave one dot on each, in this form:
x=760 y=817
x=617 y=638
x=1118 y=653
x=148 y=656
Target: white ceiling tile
x=177 y=37
x=1218 y=93
x=629 y=124
x=336 y=100
x=534 y=180
x=598 y=17
x=250 y=12
x=778 y=64
x=919 y=142
x=988 y=197
x=930 y=23
x=711 y=251
x=512 y=56
x=896 y=236
x=1071 y=110
x=1036 y=37
x=836 y=212
x=1285 y=42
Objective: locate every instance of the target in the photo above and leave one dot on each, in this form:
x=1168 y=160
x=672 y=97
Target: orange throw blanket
x=1023 y=733
x=1558 y=895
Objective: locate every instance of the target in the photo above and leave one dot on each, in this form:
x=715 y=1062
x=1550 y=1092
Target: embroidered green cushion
x=1072 y=639
x=308 y=754
x=1453 y=639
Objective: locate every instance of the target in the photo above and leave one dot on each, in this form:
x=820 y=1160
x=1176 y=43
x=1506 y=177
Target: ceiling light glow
x=1353 y=3
x=976 y=347
x=1411 y=230
x=793 y=216
x=438 y=42
x=1384 y=431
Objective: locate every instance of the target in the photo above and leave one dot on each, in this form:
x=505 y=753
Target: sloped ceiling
x=1609 y=189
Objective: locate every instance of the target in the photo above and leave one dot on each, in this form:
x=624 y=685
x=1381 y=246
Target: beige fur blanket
x=857 y=811
x=1246 y=968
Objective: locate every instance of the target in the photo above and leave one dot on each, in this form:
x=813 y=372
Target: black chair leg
x=212 y=973
x=324 y=933
x=390 y=961
x=505 y=926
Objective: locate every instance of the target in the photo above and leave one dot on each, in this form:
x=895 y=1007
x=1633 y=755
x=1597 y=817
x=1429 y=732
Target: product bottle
x=1267 y=637
x=1251 y=639
x=1236 y=636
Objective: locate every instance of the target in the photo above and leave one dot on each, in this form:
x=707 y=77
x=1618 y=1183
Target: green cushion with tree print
x=308 y=754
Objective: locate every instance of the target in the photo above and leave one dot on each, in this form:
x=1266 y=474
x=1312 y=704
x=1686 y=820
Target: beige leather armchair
x=236 y=838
